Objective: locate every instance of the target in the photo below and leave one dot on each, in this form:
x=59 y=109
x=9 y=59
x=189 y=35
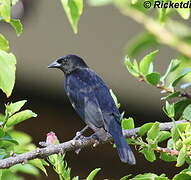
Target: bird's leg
x=79 y=134
x=99 y=135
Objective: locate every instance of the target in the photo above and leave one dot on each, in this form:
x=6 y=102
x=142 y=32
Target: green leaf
x=175 y=133
x=93 y=174
x=181 y=75
x=141 y=42
x=114 y=98
x=5 y=9
x=180 y=106
x=187 y=141
x=181 y=157
x=2 y=133
x=128 y=123
x=21 y=137
x=126 y=177
x=14 y=2
x=19 y=117
x=183 y=175
x=153 y=131
x=75 y=178
x=153 y=78
x=12 y=108
x=7 y=137
x=7 y=175
x=172 y=95
x=7 y=72
x=183 y=126
x=38 y=163
x=174 y=64
x=143 y=129
x=183 y=12
x=146 y=61
x=147 y=176
x=16 y=24
x=166 y=157
x=73 y=9
x=99 y=3
x=149 y=154
x=187 y=113
x=26 y=168
x=3 y=154
x=169 y=109
x=132 y=68
x=163 y=135
x=4 y=44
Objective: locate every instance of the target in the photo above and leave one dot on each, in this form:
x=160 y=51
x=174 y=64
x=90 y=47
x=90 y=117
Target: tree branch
x=68 y=146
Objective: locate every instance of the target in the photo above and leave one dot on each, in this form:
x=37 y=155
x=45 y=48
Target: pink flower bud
x=51 y=138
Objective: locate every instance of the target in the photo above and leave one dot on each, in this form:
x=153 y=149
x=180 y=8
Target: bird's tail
x=125 y=153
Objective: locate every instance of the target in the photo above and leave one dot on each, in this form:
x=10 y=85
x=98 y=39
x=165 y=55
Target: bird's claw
x=78 y=136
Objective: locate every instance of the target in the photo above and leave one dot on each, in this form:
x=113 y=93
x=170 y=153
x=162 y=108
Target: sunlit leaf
x=163 y=135
x=174 y=64
x=146 y=61
x=153 y=78
x=128 y=123
x=181 y=157
x=16 y=24
x=7 y=72
x=38 y=163
x=166 y=157
x=171 y=95
x=4 y=44
x=26 y=168
x=153 y=131
x=7 y=137
x=73 y=9
x=99 y=3
x=114 y=98
x=15 y=107
x=131 y=67
x=19 y=117
x=144 y=128
x=149 y=154
x=93 y=174
x=181 y=75
x=180 y=106
x=141 y=42
x=187 y=113
x=5 y=9
x=183 y=12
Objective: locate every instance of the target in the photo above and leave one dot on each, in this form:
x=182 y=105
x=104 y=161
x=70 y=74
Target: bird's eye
x=59 y=61
x=65 y=60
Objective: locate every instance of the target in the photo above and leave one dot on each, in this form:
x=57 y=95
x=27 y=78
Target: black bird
x=90 y=97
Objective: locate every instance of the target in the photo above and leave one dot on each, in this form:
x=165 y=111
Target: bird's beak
x=54 y=65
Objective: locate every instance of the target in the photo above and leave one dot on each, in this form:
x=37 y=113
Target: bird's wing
x=91 y=98
x=84 y=101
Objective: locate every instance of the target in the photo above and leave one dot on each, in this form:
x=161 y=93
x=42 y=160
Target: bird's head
x=68 y=63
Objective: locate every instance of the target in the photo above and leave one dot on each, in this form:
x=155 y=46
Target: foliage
x=13 y=142
x=160 y=28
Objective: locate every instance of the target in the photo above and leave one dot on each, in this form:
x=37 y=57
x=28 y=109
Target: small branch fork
x=69 y=146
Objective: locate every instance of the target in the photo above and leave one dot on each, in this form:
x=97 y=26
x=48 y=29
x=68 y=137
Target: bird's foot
x=96 y=138
x=79 y=134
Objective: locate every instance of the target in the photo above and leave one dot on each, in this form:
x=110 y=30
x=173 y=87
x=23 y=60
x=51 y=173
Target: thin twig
x=68 y=146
